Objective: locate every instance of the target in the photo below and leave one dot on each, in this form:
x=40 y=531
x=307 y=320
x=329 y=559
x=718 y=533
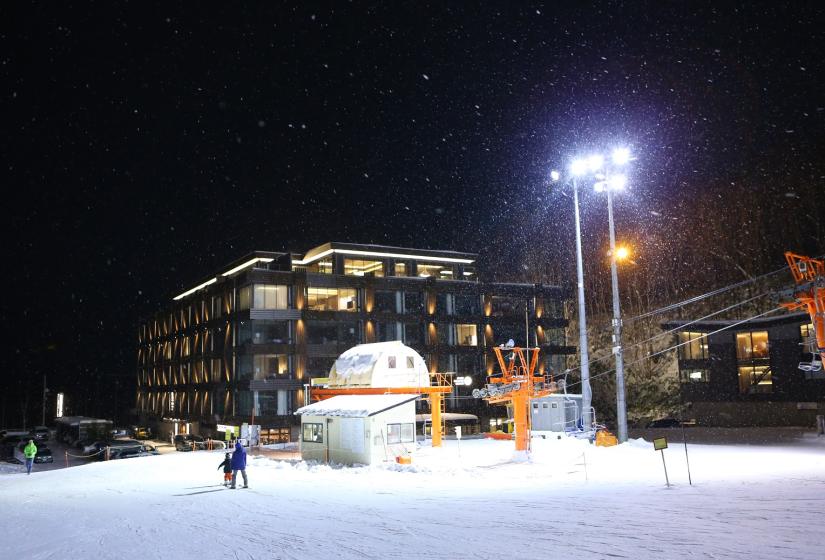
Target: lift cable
x=709 y=294
x=695 y=299
x=737 y=323
x=673 y=330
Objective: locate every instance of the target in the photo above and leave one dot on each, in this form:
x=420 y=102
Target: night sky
x=145 y=146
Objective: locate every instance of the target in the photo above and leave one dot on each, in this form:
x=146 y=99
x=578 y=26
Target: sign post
x=660 y=444
x=458 y=439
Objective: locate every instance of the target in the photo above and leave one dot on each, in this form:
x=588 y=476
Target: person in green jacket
x=29 y=452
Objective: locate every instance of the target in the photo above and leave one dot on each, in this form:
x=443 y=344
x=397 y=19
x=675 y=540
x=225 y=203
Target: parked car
x=150 y=449
x=41 y=433
x=124 y=448
x=141 y=432
x=44 y=455
x=93 y=446
x=664 y=423
x=189 y=442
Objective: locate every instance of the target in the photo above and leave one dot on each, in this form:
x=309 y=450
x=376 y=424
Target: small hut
x=358 y=429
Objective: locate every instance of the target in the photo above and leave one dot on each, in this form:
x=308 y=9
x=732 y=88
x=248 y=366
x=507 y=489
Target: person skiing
x=30 y=451
x=227 y=469
x=239 y=464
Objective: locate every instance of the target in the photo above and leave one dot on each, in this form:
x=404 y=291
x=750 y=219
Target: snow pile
x=465 y=500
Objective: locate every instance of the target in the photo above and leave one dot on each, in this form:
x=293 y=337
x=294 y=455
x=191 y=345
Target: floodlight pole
x=621 y=407
x=583 y=352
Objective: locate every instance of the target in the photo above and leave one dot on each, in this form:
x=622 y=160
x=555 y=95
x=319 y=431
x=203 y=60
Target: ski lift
x=816 y=358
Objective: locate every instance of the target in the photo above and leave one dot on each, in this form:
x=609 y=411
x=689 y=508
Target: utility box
x=556 y=413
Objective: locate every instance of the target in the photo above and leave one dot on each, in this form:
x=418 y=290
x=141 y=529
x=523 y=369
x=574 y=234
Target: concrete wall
x=744 y=414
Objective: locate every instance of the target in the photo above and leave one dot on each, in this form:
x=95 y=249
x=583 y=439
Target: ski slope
x=466 y=500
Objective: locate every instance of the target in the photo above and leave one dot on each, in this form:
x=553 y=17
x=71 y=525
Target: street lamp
x=578 y=168
x=608 y=182
x=611 y=184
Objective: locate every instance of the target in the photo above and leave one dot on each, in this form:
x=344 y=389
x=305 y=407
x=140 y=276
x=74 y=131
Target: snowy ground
x=469 y=502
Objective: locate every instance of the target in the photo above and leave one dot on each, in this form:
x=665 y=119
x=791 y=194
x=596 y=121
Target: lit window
x=270 y=297
x=755 y=379
x=359 y=267
x=752 y=345
x=313 y=433
x=400 y=269
x=332 y=299
x=466 y=335
x=693 y=346
x=693 y=376
x=321 y=266
x=430 y=270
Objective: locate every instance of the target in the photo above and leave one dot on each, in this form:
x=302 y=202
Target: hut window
x=391 y=362
x=400 y=433
x=410 y=362
x=314 y=433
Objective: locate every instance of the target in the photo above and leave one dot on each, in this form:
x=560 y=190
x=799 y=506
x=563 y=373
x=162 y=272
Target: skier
x=239 y=464
x=29 y=452
x=227 y=469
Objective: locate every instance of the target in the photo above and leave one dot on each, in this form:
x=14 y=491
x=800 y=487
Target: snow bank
x=468 y=499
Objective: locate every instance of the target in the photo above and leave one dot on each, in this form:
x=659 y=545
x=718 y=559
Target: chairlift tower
x=516 y=386
x=809 y=294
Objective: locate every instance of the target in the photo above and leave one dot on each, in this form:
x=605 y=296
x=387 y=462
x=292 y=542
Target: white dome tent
x=379 y=364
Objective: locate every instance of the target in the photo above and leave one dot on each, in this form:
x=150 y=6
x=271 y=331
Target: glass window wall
x=332 y=299
x=506 y=306
x=386 y=302
x=425 y=270
x=270 y=296
x=244 y=297
x=321 y=266
x=361 y=267
x=467 y=304
x=267 y=366
x=413 y=302
x=413 y=334
x=325 y=332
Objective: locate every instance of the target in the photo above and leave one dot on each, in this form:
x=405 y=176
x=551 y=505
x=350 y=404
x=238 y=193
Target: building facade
x=243 y=345
x=749 y=374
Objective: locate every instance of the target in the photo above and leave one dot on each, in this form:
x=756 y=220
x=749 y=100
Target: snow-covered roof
x=355 y=406
x=379 y=364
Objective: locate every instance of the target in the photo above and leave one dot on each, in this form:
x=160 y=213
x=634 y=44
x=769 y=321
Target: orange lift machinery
x=435 y=395
x=809 y=294
x=516 y=385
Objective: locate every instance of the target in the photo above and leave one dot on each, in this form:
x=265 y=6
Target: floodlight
x=555 y=176
x=618 y=182
x=621 y=156
x=622 y=253
x=595 y=162
x=579 y=167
